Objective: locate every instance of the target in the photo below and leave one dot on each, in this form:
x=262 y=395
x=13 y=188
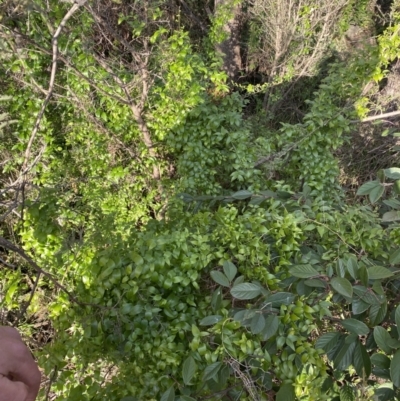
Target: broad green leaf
x=358 y=306
x=303 y=271
x=395 y=369
x=286 y=393
x=210 y=320
x=393 y=203
x=230 y=270
x=366 y=188
x=381 y=361
x=241 y=195
x=280 y=298
x=376 y=193
x=347 y=393
x=394 y=257
x=361 y=361
x=169 y=395
x=257 y=323
x=128 y=399
x=316 y=283
x=367 y=295
x=342 y=286
x=397 y=319
x=377 y=313
x=216 y=299
x=220 y=278
x=355 y=326
x=327 y=341
x=211 y=371
x=345 y=356
x=186 y=398
x=378 y=272
x=384 y=393
x=393 y=343
x=393 y=173
x=188 y=370
x=363 y=275
x=382 y=338
x=352 y=266
x=340 y=268
x=271 y=327
x=246 y=291
x=393 y=215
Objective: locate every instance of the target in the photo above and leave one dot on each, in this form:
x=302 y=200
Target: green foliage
x=214 y=281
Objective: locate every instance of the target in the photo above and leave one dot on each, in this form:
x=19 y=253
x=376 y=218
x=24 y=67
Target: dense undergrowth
x=168 y=234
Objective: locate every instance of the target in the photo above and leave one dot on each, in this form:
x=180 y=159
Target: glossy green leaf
x=246 y=291
x=188 y=370
x=220 y=278
x=230 y=270
x=355 y=326
x=382 y=338
x=342 y=286
x=303 y=271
